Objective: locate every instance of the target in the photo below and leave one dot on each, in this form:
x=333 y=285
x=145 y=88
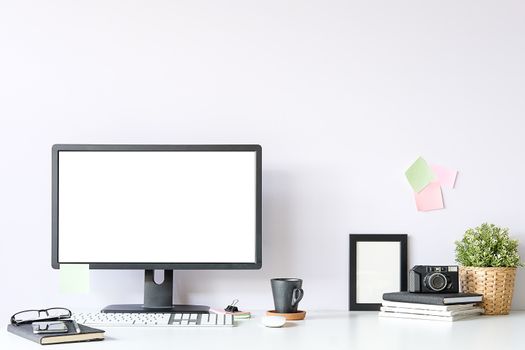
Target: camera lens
x=437 y=282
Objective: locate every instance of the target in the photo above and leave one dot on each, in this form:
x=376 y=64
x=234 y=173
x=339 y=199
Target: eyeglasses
x=30 y=316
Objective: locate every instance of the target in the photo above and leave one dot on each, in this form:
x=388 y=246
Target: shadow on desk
x=328 y=316
x=291 y=324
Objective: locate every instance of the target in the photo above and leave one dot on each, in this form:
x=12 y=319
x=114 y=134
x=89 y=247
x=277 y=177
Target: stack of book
x=438 y=307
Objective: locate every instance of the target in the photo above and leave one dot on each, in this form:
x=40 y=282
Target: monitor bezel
x=165 y=265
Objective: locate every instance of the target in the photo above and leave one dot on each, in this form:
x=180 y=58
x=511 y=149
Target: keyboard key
x=220 y=319
x=228 y=320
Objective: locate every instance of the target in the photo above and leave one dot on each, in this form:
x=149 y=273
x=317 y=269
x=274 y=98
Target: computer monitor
x=157 y=207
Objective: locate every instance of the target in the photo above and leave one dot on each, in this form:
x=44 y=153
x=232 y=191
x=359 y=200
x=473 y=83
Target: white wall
x=342 y=95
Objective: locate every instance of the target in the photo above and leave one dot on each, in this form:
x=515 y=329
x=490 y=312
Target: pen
x=77 y=328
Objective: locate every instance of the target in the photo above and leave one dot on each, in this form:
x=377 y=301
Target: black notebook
x=433 y=299
x=86 y=334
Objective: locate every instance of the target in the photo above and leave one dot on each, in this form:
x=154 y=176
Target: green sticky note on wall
x=74 y=278
x=419 y=175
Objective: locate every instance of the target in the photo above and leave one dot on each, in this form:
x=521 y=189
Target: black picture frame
x=354 y=305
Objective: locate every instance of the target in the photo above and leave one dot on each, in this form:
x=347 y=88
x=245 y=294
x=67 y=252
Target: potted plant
x=488 y=259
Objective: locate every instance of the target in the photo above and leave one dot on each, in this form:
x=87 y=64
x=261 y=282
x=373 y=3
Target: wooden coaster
x=293 y=316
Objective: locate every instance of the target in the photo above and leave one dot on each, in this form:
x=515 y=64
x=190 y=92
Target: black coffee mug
x=287 y=293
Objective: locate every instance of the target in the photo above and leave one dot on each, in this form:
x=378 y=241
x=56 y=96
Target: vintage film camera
x=433 y=279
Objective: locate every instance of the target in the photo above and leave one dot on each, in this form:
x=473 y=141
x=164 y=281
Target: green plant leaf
x=488 y=246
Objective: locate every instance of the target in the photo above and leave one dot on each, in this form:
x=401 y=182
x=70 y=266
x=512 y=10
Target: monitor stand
x=157 y=298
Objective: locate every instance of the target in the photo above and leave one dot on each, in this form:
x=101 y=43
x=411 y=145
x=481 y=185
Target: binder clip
x=232 y=307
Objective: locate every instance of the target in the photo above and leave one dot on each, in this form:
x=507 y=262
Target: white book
x=423 y=317
x=471 y=311
x=428 y=306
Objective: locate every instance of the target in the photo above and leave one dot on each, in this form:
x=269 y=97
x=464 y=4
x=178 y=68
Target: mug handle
x=297 y=295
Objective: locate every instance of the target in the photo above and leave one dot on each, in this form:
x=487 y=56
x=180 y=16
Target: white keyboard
x=154 y=320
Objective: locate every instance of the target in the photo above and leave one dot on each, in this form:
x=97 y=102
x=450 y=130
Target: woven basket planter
x=495 y=283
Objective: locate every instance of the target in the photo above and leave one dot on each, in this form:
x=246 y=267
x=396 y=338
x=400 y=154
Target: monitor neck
x=158 y=295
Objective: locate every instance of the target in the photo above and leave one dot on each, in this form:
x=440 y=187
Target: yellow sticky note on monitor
x=74 y=278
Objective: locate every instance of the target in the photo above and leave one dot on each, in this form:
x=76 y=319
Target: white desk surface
x=321 y=330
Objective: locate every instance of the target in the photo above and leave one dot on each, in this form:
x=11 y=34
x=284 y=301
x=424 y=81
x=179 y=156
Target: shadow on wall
x=519 y=286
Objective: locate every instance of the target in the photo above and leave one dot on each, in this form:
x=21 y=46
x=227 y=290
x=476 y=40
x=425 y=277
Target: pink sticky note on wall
x=430 y=198
x=445 y=176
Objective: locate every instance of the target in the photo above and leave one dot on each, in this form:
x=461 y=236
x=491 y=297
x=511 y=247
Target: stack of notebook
x=438 y=307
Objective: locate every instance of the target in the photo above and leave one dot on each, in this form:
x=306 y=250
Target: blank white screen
x=157 y=206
